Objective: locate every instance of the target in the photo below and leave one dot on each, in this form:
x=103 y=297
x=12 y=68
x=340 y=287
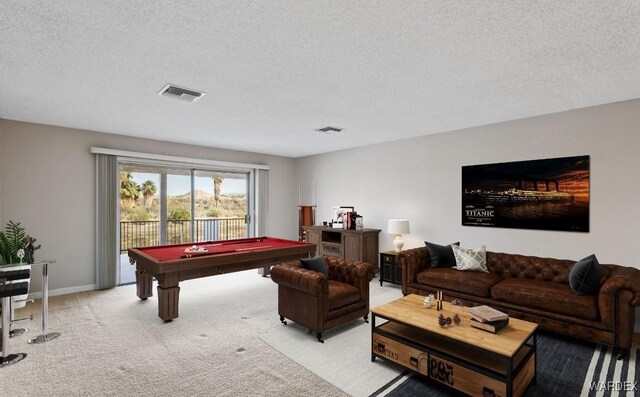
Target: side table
x=390 y=271
x=46 y=336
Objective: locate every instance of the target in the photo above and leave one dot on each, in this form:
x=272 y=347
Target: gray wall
x=47 y=182
x=420 y=179
x=1 y=128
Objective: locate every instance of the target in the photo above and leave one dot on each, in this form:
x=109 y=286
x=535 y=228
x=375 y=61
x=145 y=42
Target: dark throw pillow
x=317 y=264
x=441 y=255
x=585 y=275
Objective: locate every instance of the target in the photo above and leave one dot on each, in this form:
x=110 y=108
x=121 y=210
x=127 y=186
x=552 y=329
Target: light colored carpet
x=113 y=344
x=345 y=357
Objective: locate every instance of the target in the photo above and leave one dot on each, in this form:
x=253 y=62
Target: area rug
x=566 y=367
x=344 y=360
x=113 y=344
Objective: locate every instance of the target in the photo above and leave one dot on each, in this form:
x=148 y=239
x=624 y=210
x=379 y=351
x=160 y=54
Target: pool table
x=170 y=264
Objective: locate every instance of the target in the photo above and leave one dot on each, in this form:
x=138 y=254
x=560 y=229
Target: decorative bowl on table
x=429 y=300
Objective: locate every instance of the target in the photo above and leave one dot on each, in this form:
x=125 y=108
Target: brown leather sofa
x=537 y=290
x=320 y=303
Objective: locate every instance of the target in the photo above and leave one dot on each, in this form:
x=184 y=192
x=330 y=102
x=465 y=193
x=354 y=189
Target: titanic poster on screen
x=549 y=194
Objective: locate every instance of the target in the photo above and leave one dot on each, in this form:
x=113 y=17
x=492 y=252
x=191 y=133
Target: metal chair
x=7 y=292
x=9 y=276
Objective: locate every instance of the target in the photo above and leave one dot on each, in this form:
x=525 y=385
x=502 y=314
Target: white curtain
x=107 y=190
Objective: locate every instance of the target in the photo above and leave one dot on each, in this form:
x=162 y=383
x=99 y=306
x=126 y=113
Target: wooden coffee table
x=464 y=358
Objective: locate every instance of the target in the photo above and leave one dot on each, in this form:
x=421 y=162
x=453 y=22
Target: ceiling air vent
x=329 y=130
x=185 y=94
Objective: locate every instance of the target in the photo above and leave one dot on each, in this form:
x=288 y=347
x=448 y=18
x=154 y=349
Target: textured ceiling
x=276 y=70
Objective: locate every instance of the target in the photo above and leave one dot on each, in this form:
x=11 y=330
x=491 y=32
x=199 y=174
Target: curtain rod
x=163 y=157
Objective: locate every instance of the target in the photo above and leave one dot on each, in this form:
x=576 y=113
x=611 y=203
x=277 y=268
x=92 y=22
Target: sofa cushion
x=341 y=294
x=468 y=259
x=472 y=283
x=584 y=278
x=546 y=295
x=317 y=264
x=441 y=255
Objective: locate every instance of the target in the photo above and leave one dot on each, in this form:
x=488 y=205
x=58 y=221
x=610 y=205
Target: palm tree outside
x=217 y=186
x=129 y=189
x=148 y=189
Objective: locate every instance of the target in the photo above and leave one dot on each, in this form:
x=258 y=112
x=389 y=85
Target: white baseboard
x=63 y=291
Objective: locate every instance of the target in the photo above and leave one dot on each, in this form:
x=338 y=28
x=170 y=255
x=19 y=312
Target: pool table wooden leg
x=265 y=271
x=168 y=296
x=143 y=285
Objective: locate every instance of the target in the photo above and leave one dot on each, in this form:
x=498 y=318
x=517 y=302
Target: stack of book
x=488 y=319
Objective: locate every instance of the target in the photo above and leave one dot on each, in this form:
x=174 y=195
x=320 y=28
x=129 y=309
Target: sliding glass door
x=178 y=208
x=221 y=205
x=139 y=206
x=172 y=205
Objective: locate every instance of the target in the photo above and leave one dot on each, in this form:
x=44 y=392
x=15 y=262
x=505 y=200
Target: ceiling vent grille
x=329 y=130
x=184 y=94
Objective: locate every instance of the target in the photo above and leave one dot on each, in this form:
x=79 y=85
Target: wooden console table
x=350 y=244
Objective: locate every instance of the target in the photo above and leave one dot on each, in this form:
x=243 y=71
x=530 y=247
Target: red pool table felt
x=165 y=253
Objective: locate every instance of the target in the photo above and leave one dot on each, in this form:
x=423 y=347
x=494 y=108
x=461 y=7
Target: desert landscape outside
x=220 y=207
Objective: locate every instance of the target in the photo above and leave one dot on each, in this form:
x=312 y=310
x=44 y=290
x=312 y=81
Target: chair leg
x=622 y=353
x=283 y=321
x=366 y=318
x=12 y=319
x=7 y=358
x=319 y=336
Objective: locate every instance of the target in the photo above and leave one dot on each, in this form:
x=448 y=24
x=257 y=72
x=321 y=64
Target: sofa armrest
x=618 y=297
x=622 y=278
x=413 y=261
x=290 y=274
x=355 y=273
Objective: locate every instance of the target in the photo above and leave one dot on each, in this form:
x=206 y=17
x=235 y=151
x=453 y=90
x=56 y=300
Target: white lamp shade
x=398 y=226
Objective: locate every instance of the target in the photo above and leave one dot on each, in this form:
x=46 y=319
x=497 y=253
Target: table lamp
x=398 y=227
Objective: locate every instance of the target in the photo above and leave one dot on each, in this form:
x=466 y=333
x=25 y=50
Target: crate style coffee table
x=472 y=361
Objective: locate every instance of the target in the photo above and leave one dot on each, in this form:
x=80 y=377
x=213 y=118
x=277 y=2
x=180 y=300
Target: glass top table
x=45 y=336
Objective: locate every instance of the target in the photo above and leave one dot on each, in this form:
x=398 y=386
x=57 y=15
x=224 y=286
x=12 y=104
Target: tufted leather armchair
x=321 y=303
x=536 y=289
